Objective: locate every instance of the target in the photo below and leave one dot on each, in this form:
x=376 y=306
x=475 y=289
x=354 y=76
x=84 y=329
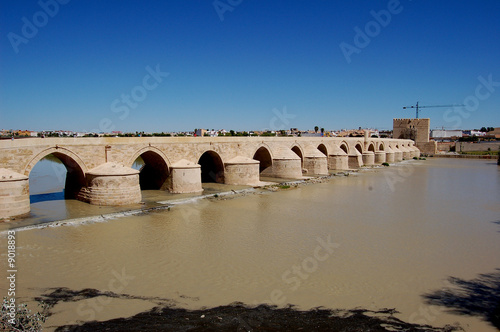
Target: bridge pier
x=185 y=177
x=415 y=152
x=355 y=160
x=338 y=159
x=398 y=154
x=406 y=153
x=338 y=162
x=14 y=194
x=111 y=184
x=315 y=162
x=389 y=155
x=241 y=171
x=287 y=165
x=368 y=158
x=380 y=157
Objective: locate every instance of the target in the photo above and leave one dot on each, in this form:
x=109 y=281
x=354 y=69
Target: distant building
x=473 y=133
x=385 y=133
x=26 y=133
x=495 y=133
x=445 y=134
x=200 y=132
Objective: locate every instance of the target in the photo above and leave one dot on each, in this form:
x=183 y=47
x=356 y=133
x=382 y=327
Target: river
x=380 y=238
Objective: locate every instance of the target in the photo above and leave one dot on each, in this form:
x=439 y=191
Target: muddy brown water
x=381 y=238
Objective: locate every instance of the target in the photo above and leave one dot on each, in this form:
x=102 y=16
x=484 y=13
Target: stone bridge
x=99 y=170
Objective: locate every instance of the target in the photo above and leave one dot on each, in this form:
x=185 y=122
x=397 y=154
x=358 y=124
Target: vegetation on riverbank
x=480 y=153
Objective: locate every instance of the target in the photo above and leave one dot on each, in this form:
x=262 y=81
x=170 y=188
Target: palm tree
x=316 y=129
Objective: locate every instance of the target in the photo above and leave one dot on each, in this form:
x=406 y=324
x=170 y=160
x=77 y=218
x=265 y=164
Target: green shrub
x=385 y=164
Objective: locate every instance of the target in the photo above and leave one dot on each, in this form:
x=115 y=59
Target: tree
x=316 y=129
x=322 y=131
x=231 y=132
x=483 y=129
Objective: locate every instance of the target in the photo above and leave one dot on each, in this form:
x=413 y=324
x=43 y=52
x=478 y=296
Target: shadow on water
x=37 y=198
x=477 y=297
x=167 y=316
x=496 y=222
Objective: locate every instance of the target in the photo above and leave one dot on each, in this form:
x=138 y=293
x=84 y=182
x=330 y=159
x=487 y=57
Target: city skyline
x=130 y=66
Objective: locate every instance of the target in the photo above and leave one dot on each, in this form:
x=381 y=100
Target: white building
x=440 y=133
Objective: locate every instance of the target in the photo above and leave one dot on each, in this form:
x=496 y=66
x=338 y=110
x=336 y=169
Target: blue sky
x=241 y=64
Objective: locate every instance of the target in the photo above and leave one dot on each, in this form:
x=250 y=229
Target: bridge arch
x=359 y=147
x=381 y=146
x=75 y=167
x=67 y=157
x=344 y=146
x=322 y=148
x=371 y=147
x=212 y=167
x=263 y=155
x=299 y=152
x=156 y=169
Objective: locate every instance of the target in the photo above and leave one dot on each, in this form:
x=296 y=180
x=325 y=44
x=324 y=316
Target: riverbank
x=465 y=156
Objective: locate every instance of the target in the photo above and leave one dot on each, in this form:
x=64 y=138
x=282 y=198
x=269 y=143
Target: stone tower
x=417 y=130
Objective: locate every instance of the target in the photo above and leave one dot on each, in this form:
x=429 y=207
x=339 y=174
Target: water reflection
x=47 y=180
x=37 y=198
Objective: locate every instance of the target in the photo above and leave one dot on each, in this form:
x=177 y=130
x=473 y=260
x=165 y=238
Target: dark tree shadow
x=168 y=316
x=496 y=222
x=477 y=297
